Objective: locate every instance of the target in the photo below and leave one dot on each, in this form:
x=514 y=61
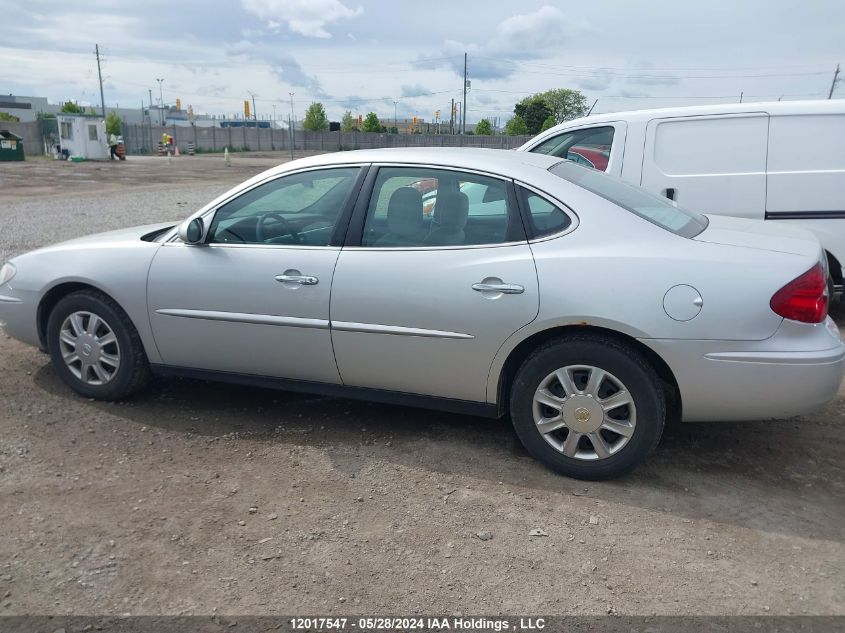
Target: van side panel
x=806 y=166
x=711 y=164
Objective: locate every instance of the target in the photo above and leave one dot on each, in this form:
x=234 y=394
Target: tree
x=5 y=116
x=113 y=124
x=315 y=118
x=348 y=123
x=69 y=107
x=550 y=122
x=516 y=126
x=534 y=111
x=371 y=123
x=565 y=104
x=484 y=127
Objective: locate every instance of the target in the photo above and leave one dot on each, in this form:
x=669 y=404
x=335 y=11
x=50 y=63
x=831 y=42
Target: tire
x=638 y=407
x=69 y=336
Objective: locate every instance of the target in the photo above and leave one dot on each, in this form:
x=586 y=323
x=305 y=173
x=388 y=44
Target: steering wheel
x=287 y=227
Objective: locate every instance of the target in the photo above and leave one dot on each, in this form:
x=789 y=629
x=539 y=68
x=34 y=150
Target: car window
x=655 y=209
x=546 y=218
x=436 y=207
x=297 y=209
x=589 y=146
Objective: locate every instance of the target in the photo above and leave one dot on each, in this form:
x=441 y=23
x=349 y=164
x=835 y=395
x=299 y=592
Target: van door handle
x=669 y=193
x=507 y=289
x=302 y=280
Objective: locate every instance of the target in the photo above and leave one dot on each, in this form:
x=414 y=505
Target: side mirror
x=191 y=231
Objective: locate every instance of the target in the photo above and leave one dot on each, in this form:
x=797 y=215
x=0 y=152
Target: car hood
x=111 y=238
x=766 y=236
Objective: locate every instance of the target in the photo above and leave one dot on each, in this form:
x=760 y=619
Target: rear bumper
x=795 y=372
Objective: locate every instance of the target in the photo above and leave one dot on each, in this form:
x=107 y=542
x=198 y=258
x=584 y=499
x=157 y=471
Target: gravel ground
x=194 y=497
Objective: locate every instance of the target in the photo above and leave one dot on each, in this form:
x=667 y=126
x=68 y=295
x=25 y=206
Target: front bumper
x=796 y=371
x=18 y=318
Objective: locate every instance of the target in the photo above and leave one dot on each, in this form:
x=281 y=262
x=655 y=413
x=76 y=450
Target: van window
x=653 y=208
x=588 y=146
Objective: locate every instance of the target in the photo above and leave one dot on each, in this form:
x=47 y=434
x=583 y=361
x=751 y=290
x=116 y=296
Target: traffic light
x=360 y=120
x=437 y=114
x=246 y=108
x=415 y=120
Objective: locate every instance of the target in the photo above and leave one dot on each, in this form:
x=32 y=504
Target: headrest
x=404 y=211
x=452 y=209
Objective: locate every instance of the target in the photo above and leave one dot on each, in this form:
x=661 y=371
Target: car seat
x=404 y=219
x=452 y=211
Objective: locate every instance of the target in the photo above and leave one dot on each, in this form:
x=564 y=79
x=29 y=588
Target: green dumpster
x=11 y=146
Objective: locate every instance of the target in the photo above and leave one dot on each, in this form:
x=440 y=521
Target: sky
x=375 y=55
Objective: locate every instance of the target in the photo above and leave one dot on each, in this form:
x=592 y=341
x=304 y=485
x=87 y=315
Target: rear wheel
x=95 y=348
x=588 y=407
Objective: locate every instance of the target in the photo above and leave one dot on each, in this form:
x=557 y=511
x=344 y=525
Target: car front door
x=423 y=298
x=253 y=298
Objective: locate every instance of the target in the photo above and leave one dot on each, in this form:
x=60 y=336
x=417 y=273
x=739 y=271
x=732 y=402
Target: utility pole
x=290 y=127
x=254 y=111
x=464 y=113
x=452 y=118
x=832 y=83
x=150 y=119
x=160 y=101
x=100 y=75
x=395 y=122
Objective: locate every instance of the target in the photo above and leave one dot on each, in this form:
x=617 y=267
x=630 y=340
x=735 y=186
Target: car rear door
x=421 y=303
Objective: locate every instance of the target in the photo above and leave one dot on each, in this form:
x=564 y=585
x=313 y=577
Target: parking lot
x=194 y=497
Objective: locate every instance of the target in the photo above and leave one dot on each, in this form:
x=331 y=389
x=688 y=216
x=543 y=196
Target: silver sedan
x=480 y=281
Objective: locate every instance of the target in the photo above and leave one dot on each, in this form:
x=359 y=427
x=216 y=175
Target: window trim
x=514 y=234
x=525 y=212
x=340 y=229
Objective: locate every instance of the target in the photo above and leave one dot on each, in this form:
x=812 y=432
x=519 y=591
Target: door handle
x=507 y=289
x=302 y=280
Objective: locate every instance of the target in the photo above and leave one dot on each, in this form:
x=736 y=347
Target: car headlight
x=7 y=272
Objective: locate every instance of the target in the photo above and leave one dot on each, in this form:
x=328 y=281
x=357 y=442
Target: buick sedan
x=588 y=310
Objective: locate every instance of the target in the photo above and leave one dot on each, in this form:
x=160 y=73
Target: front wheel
x=588 y=407
x=95 y=348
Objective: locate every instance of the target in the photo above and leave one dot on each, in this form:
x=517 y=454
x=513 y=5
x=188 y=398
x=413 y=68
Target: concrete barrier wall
x=33 y=141
x=144 y=139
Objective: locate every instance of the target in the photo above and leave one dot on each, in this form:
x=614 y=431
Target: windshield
x=638 y=201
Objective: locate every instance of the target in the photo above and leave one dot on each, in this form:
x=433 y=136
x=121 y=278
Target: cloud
x=644 y=75
x=522 y=37
x=286 y=68
x=601 y=80
x=305 y=17
x=417 y=90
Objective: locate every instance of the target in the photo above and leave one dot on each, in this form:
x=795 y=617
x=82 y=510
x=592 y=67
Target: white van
x=780 y=161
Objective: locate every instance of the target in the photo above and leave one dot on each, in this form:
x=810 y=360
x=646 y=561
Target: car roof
x=820 y=106
x=502 y=162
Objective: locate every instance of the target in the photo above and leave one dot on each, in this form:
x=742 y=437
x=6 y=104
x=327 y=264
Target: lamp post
x=160 y=101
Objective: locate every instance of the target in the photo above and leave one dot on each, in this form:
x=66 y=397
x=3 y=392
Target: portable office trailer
x=83 y=135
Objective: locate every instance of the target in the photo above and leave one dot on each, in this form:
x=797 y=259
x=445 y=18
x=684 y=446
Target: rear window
x=638 y=201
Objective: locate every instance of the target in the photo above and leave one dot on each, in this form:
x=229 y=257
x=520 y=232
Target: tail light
x=804 y=298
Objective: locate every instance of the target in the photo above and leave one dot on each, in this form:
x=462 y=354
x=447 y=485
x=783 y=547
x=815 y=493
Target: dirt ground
x=194 y=498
